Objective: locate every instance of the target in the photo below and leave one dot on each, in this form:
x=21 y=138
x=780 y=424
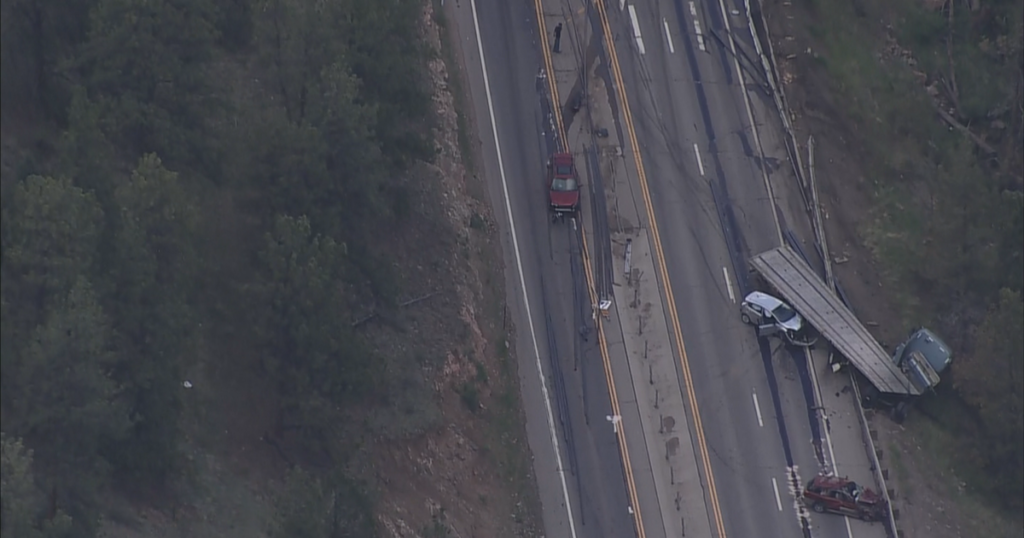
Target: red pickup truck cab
x=563 y=186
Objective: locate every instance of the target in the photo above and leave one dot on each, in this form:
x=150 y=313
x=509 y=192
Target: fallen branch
x=410 y=302
x=419 y=299
x=950 y=91
x=951 y=87
x=963 y=128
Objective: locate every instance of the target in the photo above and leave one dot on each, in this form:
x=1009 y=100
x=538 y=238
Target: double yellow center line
x=662 y=269
x=602 y=343
x=616 y=71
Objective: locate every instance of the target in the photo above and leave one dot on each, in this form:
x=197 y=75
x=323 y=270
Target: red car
x=563 y=187
x=843 y=496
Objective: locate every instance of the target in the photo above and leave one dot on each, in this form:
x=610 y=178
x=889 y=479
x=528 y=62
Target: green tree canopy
x=21 y=501
x=64 y=401
x=153 y=269
x=992 y=379
x=313 y=351
x=144 y=66
x=51 y=230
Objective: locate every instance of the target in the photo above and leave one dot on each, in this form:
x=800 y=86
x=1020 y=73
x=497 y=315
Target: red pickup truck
x=563 y=186
x=844 y=496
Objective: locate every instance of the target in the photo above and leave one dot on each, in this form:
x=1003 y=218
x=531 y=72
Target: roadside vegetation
x=205 y=194
x=932 y=91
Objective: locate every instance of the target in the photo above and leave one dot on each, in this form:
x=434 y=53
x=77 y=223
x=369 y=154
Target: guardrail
x=809 y=192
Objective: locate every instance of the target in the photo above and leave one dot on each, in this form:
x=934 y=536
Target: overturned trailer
x=913 y=370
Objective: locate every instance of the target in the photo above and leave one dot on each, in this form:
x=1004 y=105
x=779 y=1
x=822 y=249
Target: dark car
x=843 y=496
x=563 y=187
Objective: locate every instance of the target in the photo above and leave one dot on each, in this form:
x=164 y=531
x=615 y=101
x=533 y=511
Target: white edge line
x=636 y=23
x=700 y=163
x=728 y=284
x=522 y=280
x=693 y=9
x=750 y=117
x=828 y=436
x=668 y=35
x=757 y=409
x=778 y=228
x=636 y=30
x=778 y=500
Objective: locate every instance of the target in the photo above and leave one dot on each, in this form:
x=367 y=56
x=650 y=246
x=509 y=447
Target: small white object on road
x=187 y=384
x=614 y=419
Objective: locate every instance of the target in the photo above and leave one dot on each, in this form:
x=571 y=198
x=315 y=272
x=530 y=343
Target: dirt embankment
x=932 y=501
x=471 y=475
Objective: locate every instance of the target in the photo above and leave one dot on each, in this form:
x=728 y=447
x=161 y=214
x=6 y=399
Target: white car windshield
x=783 y=313
x=563 y=184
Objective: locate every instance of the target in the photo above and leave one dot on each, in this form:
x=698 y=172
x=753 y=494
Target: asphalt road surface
x=710 y=195
x=714 y=210
x=581 y=479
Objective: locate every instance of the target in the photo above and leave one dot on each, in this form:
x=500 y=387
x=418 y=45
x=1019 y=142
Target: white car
x=763 y=310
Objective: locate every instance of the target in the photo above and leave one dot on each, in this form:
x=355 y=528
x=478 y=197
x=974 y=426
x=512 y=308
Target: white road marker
x=553 y=433
x=636 y=30
x=668 y=35
x=700 y=164
x=778 y=500
x=696 y=28
x=728 y=284
x=757 y=409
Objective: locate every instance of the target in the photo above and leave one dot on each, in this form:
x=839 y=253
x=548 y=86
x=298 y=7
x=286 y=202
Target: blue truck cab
x=923 y=357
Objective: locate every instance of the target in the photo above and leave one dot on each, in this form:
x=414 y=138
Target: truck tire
x=818 y=507
x=745 y=318
x=899 y=413
x=869 y=398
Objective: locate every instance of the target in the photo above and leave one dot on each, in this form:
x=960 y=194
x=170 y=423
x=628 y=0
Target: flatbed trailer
x=789 y=274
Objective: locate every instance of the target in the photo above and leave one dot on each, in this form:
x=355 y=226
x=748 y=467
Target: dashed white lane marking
x=668 y=35
x=636 y=30
x=732 y=297
x=700 y=163
x=757 y=409
x=778 y=500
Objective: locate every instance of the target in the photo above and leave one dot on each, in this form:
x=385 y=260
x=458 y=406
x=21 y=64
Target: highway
x=581 y=478
x=699 y=156
x=704 y=199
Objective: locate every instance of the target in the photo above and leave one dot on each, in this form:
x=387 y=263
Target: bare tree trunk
x=963 y=128
x=951 y=86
